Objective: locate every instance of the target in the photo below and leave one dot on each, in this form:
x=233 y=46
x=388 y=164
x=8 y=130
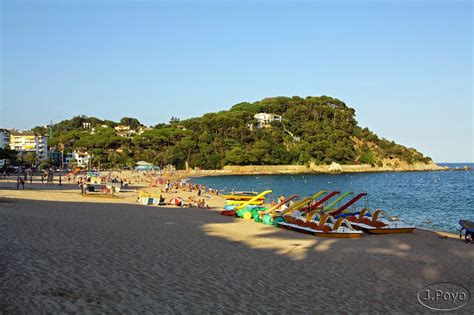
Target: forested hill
x=317 y=130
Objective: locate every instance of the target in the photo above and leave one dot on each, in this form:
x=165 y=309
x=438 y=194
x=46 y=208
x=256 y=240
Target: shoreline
x=301 y=169
x=70 y=192
x=66 y=253
x=49 y=193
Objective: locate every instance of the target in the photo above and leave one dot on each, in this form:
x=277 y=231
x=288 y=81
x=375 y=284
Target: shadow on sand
x=98 y=257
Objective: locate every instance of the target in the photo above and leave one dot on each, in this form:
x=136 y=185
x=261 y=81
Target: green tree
x=314 y=129
x=133 y=123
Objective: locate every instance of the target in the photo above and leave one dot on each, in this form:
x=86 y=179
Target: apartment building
x=27 y=141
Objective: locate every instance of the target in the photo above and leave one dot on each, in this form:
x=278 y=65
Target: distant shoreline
x=317 y=169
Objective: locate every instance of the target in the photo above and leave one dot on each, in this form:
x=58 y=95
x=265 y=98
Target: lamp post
x=62 y=156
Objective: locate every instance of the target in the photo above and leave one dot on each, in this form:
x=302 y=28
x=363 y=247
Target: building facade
x=264 y=120
x=23 y=141
x=76 y=158
x=41 y=147
x=28 y=142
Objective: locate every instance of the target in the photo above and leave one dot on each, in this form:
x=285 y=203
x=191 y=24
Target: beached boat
x=330 y=206
x=232 y=203
x=320 y=203
x=272 y=217
x=266 y=216
x=322 y=225
x=250 y=212
x=241 y=209
x=242 y=196
x=376 y=222
x=239 y=198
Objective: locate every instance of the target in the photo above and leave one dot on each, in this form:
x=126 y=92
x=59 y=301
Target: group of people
x=196 y=203
x=280 y=200
x=284 y=206
x=83 y=185
x=49 y=176
x=26 y=175
x=182 y=185
x=23 y=177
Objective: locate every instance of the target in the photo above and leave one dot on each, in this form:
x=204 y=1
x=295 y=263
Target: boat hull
x=389 y=230
x=229 y=213
x=383 y=230
x=297 y=228
x=239 y=202
x=240 y=198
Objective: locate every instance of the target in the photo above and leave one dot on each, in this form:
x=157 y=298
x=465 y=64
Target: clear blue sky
x=405 y=66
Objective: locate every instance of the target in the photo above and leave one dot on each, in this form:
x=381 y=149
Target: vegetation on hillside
x=316 y=130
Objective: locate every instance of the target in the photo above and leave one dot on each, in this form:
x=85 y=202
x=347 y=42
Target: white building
x=80 y=159
x=127 y=132
x=41 y=147
x=265 y=120
x=124 y=131
x=27 y=141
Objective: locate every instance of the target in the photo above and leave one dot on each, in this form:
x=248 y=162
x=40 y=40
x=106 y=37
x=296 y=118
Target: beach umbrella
x=176 y=201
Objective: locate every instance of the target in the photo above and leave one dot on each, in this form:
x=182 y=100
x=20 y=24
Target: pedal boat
x=377 y=222
x=319 y=225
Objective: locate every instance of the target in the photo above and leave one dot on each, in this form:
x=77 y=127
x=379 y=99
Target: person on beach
x=203 y=204
x=190 y=202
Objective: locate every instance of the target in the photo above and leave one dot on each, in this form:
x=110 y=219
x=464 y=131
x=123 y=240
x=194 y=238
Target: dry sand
x=61 y=252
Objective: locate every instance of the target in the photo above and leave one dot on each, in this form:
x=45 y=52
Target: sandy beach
x=62 y=252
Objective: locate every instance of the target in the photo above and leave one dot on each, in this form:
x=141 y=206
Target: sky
x=405 y=66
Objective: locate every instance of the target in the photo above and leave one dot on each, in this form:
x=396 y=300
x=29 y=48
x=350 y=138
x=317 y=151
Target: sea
x=434 y=200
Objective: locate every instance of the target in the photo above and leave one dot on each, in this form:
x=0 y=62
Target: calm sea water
x=434 y=200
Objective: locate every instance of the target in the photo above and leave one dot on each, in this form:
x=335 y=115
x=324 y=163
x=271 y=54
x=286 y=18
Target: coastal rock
x=335 y=167
x=392 y=165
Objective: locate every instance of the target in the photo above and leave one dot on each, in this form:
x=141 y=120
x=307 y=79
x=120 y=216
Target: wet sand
x=61 y=252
